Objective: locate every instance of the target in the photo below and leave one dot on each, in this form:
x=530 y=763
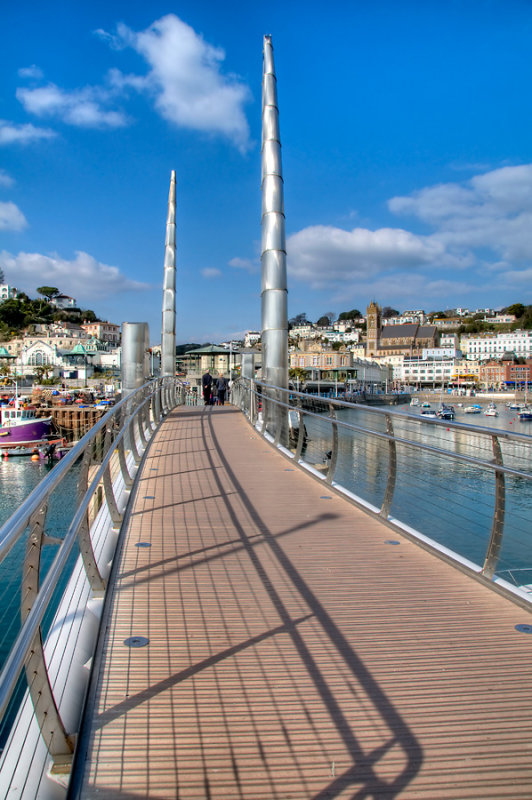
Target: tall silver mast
x=168 y=323
x=273 y=247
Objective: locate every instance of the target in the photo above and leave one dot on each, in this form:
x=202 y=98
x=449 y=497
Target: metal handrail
x=247 y=393
x=142 y=409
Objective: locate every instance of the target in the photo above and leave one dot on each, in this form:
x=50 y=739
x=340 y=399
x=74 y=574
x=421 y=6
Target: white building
x=494 y=345
x=440 y=353
x=7 y=291
x=407 y=318
x=341 y=336
x=251 y=338
x=427 y=371
x=63 y=301
x=449 y=339
x=500 y=319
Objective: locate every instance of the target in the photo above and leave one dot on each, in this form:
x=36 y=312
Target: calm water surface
x=450 y=501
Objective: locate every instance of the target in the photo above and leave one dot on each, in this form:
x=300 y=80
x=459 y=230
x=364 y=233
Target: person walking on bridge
x=206 y=383
x=221 y=386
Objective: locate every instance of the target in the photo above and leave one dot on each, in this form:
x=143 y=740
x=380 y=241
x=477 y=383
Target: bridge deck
x=293 y=652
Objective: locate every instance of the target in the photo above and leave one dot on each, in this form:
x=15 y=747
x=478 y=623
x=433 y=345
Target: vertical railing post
x=253 y=402
x=300 y=434
x=497 y=525
x=392 y=470
x=60 y=745
x=334 y=449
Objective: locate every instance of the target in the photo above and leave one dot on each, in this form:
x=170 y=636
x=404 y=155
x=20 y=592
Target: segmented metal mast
x=273 y=248
x=168 y=323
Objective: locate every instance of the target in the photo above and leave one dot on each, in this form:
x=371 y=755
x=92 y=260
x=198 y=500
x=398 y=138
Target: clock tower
x=373 y=318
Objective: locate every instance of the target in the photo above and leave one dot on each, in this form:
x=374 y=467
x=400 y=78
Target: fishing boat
x=491 y=411
x=20 y=427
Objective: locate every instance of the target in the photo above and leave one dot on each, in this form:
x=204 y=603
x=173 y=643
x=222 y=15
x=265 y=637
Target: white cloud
x=11 y=218
x=211 y=272
x=491 y=211
x=11 y=133
x=5 y=179
x=186 y=81
x=322 y=254
x=83 y=108
x=82 y=277
x=245 y=263
x=34 y=72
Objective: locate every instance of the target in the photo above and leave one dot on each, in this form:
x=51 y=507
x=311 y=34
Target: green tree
x=517 y=309
x=353 y=314
x=388 y=312
x=299 y=374
x=48 y=291
x=11 y=312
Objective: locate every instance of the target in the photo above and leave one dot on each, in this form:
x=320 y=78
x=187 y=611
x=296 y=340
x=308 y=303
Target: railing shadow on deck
x=362 y=775
x=363 y=768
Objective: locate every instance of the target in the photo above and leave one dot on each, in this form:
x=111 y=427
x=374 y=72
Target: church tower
x=373 y=317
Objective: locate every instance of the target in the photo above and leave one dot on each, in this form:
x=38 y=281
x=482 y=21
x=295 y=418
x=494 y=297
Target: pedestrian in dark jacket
x=221 y=385
x=206 y=382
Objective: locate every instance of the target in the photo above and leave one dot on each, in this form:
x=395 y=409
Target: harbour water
x=451 y=502
x=448 y=500
x=18 y=477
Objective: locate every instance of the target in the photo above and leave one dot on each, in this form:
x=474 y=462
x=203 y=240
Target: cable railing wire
x=465 y=487
x=104 y=463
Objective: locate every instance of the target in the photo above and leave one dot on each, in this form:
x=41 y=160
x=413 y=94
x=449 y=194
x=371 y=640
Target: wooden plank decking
x=293 y=652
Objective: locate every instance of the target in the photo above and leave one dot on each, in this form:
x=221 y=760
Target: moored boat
x=445 y=412
x=491 y=411
x=20 y=427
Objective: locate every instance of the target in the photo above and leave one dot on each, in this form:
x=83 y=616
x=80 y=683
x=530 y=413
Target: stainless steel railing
x=106 y=460
x=463 y=489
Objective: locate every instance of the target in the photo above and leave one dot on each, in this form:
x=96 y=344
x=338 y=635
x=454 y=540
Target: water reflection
x=448 y=500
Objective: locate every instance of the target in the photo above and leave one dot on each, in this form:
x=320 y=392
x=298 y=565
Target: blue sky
x=407 y=154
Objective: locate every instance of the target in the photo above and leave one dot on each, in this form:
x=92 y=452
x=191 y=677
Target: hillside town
x=379 y=351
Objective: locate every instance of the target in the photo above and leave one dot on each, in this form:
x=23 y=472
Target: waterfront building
x=426 y=371
x=318 y=358
x=489 y=346
x=444 y=371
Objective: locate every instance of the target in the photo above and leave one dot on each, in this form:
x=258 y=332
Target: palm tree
x=299 y=375
x=5 y=372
